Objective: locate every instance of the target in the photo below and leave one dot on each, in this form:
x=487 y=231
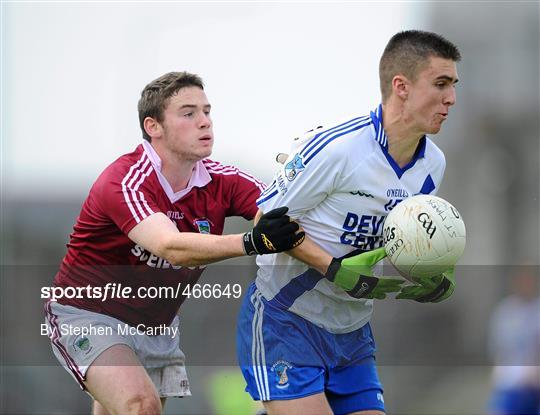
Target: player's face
x=187 y=126
x=431 y=95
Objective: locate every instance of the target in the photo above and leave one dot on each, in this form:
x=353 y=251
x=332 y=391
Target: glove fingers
x=392 y=289
x=426 y=282
x=410 y=293
x=288 y=228
x=390 y=281
x=390 y=285
x=271 y=223
x=439 y=293
x=446 y=294
x=299 y=238
x=434 y=290
x=414 y=289
x=288 y=241
x=403 y=296
x=449 y=274
x=276 y=213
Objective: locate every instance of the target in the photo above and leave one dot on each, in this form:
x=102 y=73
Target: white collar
x=199 y=176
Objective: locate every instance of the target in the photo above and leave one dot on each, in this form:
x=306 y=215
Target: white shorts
x=79 y=336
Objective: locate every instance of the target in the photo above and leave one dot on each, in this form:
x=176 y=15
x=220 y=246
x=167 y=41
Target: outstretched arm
x=308 y=252
x=275 y=232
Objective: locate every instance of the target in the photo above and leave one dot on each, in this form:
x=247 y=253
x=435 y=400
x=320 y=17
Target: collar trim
x=199 y=176
x=382 y=139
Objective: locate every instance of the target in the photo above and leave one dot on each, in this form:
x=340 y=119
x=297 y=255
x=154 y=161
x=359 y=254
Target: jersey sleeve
x=126 y=197
x=306 y=178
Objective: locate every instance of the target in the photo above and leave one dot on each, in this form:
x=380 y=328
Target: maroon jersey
x=129 y=190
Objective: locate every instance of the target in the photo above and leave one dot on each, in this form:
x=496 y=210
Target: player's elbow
x=183 y=259
x=176 y=254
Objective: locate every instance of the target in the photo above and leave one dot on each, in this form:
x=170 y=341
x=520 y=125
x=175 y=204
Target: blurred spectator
x=514 y=344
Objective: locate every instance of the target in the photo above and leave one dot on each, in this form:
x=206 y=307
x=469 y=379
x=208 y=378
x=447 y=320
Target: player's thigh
x=98 y=409
x=313 y=405
x=118 y=381
x=278 y=352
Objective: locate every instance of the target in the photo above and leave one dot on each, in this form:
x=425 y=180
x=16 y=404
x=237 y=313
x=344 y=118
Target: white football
x=424 y=236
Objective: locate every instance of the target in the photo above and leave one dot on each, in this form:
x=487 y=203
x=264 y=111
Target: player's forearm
x=257 y=217
x=308 y=252
x=192 y=249
x=313 y=255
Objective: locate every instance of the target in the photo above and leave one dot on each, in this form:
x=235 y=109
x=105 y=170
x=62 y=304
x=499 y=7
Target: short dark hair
x=155 y=96
x=407 y=52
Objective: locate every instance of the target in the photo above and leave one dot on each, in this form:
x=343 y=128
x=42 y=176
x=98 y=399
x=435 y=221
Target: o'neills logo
x=175 y=215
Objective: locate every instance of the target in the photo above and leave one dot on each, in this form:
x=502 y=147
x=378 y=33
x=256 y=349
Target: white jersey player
x=341 y=197
x=304 y=340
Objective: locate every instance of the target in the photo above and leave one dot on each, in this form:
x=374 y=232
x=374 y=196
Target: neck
x=403 y=139
x=176 y=169
x=177 y=173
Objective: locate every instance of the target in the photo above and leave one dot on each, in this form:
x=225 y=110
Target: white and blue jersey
x=339 y=183
x=299 y=334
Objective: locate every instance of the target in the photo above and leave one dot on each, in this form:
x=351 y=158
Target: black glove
x=273 y=233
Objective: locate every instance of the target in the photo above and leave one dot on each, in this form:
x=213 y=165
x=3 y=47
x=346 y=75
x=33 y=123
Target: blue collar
x=382 y=139
x=380 y=135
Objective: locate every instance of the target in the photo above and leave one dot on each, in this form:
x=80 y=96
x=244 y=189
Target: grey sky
x=73 y=72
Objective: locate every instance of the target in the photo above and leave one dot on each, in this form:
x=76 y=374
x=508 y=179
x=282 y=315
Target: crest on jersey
x=202 y=224
x=82 y=344
x=280 y=369
x=293 y=167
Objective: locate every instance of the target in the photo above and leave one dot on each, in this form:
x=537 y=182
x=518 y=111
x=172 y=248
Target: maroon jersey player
x=153 y=218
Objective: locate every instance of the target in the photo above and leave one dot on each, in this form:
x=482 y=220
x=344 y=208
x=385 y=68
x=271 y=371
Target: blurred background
x=71 y=76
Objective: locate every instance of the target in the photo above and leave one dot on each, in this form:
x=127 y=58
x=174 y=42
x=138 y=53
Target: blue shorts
x=516 y=401
x=284 y=356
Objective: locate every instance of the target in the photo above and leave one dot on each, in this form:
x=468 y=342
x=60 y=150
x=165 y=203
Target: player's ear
x=152 y=127
x=400 y=86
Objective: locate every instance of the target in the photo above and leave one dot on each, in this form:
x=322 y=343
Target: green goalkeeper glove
x=430 y=289
x=355 y=276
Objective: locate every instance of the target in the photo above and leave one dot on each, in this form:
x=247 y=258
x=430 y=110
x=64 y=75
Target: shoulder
x=433 y=153
x=217 y=168
x=135 y=162
x=228 y=173
x=435 y=162
x=127 y=170
x=336 y=141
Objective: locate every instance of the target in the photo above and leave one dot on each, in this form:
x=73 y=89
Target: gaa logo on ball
x=424 y=236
